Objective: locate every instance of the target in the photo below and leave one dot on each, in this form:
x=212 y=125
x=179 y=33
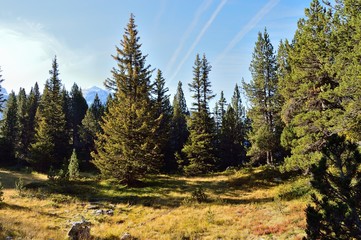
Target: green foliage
x=233 y=131
x=200 y=147
x=310 y=110
x=90 y=126
x=199 y=195
x=73 y=167
x=51 y=141
x=163 y=110
x=336 y=209
x=127 y=149
x=19 y=186
x=266 y=102
x=9 y=126
x=78 y=108
x=179 y=131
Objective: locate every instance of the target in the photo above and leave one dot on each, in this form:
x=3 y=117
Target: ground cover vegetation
x=151 y=161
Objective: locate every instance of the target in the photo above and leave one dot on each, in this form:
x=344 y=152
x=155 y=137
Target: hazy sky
x=83 y=34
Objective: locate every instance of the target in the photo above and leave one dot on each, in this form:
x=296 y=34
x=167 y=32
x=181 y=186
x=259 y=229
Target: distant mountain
x=6 y=95
x=89 y=94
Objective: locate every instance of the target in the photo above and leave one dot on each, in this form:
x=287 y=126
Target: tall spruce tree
x=310 y=108
x=78 y=108
x=32 y=106
x=263 y=94
x=219 y=112
x=10 y=127
x=127 y=149
x=22 y=141
x=51 y=144
x=200 y=148
x=90 y=126
x=336 y=210
x=233 y=132
x=179 y=131
x=163 y=110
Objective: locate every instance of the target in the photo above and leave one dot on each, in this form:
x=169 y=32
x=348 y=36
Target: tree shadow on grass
x=166 y=191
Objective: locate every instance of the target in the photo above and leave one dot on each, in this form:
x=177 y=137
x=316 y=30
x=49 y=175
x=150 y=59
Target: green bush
x=19 y=186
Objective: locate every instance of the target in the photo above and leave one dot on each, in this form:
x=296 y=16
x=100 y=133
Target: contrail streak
x=248 y=27
x=199 y=37
x=204 y=6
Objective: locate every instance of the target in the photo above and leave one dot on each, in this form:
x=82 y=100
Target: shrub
x=199 y=195
x=73 y=167
x=19 y=186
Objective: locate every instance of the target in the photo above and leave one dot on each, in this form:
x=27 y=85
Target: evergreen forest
x=302 y=121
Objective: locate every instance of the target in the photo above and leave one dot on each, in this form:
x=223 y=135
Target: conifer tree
x=127 y=148
x=73 y=167
x=200 y=147
x=346 y=46
x=310 y=108
x=219 y=112
x=179 y=131
x=78 y=107
x=163 y=110
x=51 y=139
x=90 y=126
x=336 y=210
x=263 y=94
x=233 y=132
x=32 y=106
x=22 y=141
x=9 y=126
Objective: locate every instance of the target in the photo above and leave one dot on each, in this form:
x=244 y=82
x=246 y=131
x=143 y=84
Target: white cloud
x=26 y=54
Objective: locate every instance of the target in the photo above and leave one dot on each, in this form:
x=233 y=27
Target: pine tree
x=200 y=148
x=163 y=110
x=9 y=126
x=262 y=92
x=346 y=67
x=336 y=210
x=310 y=108
x=51 y=144
x=33 y=104
x=219 y=112
x=78 y=107
x=233 y=132
x=22 y=141
x=73 y=167
x=179 y=131
x=127 y=148
x=90 y=126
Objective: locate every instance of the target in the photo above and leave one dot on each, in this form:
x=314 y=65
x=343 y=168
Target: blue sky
x=83 y=35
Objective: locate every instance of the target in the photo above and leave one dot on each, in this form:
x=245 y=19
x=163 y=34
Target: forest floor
x=253 y=203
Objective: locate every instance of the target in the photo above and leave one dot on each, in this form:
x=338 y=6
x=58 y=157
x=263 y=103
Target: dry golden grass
x=249 y=204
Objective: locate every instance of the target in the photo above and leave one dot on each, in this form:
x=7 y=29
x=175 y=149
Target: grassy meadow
x=253 y=203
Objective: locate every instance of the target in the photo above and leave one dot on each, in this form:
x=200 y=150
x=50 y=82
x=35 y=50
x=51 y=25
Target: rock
x=277 y=180
x=9 y=238
x=99 y=212
x=110 y=212
x=80 y=230
x=126 y=236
